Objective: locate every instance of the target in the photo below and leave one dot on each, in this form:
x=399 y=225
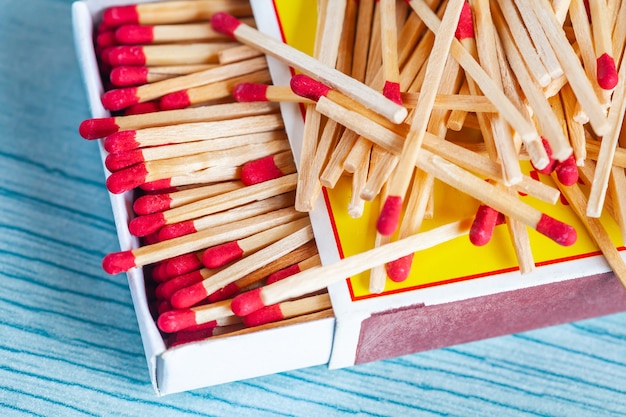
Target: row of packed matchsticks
x=388 y=96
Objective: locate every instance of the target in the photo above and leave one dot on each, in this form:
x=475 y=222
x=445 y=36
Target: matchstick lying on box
x=232 y=239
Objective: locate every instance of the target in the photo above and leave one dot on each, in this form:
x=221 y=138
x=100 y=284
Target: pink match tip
x=224 y=23
x=118 y=262
x=264 y=315
x=247 y=302
x=122 y=141
x=170 y=231
x=547 y=170
x=120 y=98
x=176 y=320
x=484 y=223
x=127 y=179
x=260 y=170
x=166 y=289
x=224 y=293
x=399 y=269
x=282 y=274
x=126 y=76
x=97 y=128
x=606 y=72
x=389 y=217
x=250 y=92
x=307 y=87
x=134 y=34
x=220 y=255
x=146 y=225
x=183 y=264
x=391 y=90
x=567 y=171
x=120 y=15
x=159 y=274
x=120 y=160
x=127 y=55
x=188 y=296
x=174 y=101
x=465 y=27
x=152 y=203
x=561 y=233
x=142 y=108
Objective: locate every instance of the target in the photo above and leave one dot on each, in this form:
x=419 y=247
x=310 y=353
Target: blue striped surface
x=69 y=341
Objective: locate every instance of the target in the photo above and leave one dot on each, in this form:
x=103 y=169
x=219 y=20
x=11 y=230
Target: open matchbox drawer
x=366 y=327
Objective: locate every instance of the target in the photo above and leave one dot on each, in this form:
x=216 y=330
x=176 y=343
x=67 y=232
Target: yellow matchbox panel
x=458 y=259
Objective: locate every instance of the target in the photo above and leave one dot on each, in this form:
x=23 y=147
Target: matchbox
x=456 y=292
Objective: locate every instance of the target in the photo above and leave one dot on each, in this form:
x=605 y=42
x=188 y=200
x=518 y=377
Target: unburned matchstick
x=606 y=70
x=154 y=55
x=129 y=76
x=288 y=309
x=167 y=12
x=100 y=127
x=133 y=34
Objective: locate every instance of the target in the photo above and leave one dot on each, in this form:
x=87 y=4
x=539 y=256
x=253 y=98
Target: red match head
x=120 y=15
x=127 y=55
x=283 y=273
x=176 y=320
x=146 y=225
x=134 y=34
x=482 y=228
x=127 y=179
x=120 y=98
x=97 y=128
x=250 y=92
x=389 y=217
x=127 y=76
x=606 y=72
x=120 y=160
x=170 y=231
x=247 y=302
x=188 y=296
x=118 y=262
x=261 y=170
x=220 y=255
x=567 y=171
x=122 y=141
x=399 y=269
x=307 y=87
x=465 y=27
x=561 y=233
x=224 y=23
x=264 y=315
x=152 y=203
x=174 y=101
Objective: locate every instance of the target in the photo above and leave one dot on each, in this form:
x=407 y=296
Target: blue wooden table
x=69 y=341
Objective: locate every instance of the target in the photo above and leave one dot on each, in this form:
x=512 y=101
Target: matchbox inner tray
x=456 y=292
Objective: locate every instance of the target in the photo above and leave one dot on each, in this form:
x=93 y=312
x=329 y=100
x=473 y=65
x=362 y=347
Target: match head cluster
x=218 y=204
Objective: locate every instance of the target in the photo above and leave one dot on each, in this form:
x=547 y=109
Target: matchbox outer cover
x=456 y=292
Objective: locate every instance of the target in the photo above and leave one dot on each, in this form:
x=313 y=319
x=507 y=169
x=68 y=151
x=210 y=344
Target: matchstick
x=187 y=297
x=209 y=92
x=606 y=71
x=189 y=132
x=97 y=128
x=118 y=262
x=133 y=34
x=317 y=278
x=177 y=320
x=236 y=54
x=121 y=98
x=294 y=269
x=153 y=55
x=130 y=76
x=150 y=223
x=154 y=202
x=389 y=45
x=225 y=23
x=200 y=177
x=608 y=145
x=168 y=12
x=268 y=168
x=288 y=309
